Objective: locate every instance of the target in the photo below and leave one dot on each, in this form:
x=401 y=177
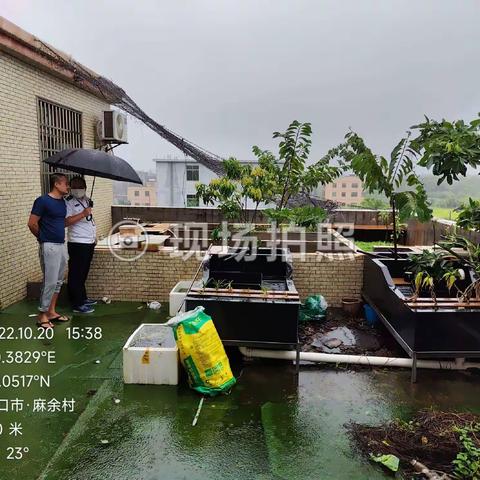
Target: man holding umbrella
x=82 y=237
x=82 y=231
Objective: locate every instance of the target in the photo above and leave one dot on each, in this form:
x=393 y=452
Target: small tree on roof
x=395 y=178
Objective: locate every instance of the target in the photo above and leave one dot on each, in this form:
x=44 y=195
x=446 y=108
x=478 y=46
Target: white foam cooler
x=178 y=293
x=150 y=356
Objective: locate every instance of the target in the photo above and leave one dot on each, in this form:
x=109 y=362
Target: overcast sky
x=226 y=74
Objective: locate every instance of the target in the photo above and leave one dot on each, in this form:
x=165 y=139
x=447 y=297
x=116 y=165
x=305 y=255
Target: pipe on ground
x=458 y=364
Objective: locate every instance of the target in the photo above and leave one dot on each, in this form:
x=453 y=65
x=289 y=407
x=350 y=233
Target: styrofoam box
x=150 y=356
x=177 y=294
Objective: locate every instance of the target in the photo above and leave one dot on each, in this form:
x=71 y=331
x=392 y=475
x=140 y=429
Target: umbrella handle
x=89 y=217
x=93 y=185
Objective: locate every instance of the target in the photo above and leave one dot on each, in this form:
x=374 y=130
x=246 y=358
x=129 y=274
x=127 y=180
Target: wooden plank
x=440 y=299
x=243 y=291
x=444 y=305
x=257 y=296
x=400 y=281
x=358 y=226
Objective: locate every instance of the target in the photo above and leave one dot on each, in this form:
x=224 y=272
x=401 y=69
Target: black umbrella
x=95 y=163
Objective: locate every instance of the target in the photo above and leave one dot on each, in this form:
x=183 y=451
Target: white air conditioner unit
x=113 y=127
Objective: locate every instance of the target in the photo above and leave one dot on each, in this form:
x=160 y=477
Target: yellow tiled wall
x=153 y=275
x=20 y=86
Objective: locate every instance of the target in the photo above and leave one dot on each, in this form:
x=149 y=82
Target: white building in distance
x=176 y=180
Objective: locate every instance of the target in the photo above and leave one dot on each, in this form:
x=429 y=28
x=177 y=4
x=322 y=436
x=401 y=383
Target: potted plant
x=431 y=271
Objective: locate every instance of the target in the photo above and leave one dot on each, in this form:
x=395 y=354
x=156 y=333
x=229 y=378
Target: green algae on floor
x=271 y=426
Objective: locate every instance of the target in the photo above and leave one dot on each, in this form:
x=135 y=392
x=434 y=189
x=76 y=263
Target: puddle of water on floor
x=269 y=427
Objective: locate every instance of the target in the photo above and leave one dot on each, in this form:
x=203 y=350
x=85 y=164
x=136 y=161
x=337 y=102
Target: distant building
x=145 y=195
x=123 y=192
x=347 y=190
x=176 y=179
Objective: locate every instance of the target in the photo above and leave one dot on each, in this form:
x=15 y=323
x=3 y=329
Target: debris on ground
x=389 y=461
x=338 y=332
x=431 y=441
x=313 y=309
x=154 y=305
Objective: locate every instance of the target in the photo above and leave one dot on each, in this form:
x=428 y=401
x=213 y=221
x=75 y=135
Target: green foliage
x=448 y=148
x=467 y=462
x=392 y=462
x=469 y=215
x=395 y=178
x=218 y=234
x=472 y=249
x=375 y=203
x=273 y=180
x=307 y=216
x=239 y=184
x=290 y=171
x=454 y=242
x=451 y=196
x=431 y=269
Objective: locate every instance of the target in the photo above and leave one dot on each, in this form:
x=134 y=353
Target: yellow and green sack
x=202 y=353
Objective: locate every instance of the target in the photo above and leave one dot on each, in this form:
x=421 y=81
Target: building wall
x=151 y=277
x=172 y=184
x=138 y=195
x=20 y=85
x=346 y=190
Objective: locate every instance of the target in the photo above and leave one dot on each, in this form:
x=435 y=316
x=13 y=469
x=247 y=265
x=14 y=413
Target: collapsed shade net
x=95 y=163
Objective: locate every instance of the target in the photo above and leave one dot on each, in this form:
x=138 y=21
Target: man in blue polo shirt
x=47 y=223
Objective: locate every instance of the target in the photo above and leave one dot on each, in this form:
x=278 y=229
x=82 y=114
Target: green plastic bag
x=314 y=308
x=390 y=461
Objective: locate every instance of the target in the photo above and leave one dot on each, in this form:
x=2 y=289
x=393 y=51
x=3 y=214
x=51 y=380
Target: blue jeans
x=53 y=260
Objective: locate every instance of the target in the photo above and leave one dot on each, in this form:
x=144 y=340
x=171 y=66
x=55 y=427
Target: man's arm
x=76 y=218
x=33 y=224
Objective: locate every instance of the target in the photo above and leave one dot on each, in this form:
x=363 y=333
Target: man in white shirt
x=82 y=237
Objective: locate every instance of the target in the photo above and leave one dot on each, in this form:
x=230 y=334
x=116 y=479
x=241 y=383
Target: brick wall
x=334 y=275
x=20 y=85
x=153 y=276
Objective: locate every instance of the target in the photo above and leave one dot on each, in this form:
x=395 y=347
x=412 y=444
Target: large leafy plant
x=307 y=216
x=432 y=269
x=469 y=215
x=448 y=148
x=395 y=178
x=453 y=244
x=242 y=186
x=274 y=180
x=290 y=171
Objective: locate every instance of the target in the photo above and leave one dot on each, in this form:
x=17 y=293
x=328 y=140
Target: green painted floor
x=269 y=427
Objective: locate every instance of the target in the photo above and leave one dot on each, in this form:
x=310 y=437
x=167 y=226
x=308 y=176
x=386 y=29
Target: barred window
x=192 y=173
x=192 y=201
x=59 y=128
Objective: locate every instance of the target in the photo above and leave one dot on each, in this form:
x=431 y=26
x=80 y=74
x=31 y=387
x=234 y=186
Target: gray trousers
x=53 y=259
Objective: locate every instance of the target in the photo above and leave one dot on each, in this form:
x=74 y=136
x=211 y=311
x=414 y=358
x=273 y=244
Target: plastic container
x=177 y=294
x=150 y=356
x=370 y=315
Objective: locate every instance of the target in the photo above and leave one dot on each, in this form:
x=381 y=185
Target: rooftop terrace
x=269 y=427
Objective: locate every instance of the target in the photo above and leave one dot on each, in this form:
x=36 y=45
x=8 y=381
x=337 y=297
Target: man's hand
x=79 y=216
x=33 y=224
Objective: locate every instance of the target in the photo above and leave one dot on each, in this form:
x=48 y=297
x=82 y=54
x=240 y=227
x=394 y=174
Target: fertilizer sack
x=202 y=353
